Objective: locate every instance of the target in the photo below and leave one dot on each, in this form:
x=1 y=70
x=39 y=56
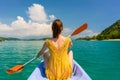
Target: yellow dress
x=58 y=67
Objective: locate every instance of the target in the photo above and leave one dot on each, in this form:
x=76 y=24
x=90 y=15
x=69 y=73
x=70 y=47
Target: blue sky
x=99 y=14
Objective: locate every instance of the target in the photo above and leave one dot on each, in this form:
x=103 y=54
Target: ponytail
x=57 y=28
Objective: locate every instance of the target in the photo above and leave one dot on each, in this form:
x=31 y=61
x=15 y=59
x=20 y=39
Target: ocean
x=100 y=59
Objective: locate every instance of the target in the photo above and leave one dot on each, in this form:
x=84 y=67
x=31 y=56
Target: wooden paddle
x=19 y=68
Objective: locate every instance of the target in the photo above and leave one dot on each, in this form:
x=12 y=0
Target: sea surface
x=100 y=59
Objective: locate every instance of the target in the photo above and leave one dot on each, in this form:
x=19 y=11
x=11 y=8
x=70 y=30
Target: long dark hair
x=57 y=27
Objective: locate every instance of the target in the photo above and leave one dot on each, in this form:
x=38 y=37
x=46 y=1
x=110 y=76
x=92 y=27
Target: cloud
x=66 y=32
x=5 y=29
x=37 y=13
x=90 y=33
x=39 y=24
x=20 y=28
x=52 y=17
x=86 y=33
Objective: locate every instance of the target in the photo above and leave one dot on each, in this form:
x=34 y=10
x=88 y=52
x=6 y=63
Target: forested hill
x=112 y=32
x=10 y=38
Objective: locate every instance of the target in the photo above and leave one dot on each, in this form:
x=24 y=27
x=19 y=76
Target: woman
x=59 y=62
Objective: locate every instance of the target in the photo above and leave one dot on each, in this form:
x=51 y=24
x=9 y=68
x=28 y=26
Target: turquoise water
x=100 y=59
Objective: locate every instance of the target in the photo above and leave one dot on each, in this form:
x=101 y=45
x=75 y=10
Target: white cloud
x=20 y=23
x=66 y=32
x=21 y=28
x=5 y=29
x=37 y=13
x=88 y=33
x=38 y=25
x=52 y=17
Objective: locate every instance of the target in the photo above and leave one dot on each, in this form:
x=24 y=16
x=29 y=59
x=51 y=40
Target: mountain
x=9 y=38
x=112 y=32
x=1 y=39
x=17 y=39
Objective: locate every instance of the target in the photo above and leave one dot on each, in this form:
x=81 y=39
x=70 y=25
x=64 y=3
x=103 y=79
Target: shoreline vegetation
x=89 y=39
x=111 y=33
x=17 y=39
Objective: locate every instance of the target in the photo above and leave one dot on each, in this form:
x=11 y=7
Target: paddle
x=19 y=68
x=79 y=29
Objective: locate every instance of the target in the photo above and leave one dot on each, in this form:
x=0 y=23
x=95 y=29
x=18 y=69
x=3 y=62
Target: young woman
x=58 y=61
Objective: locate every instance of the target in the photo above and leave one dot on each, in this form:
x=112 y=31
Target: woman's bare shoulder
x=49 y=39
x=64 y=37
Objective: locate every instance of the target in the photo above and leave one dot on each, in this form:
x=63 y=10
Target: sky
x=33 y=18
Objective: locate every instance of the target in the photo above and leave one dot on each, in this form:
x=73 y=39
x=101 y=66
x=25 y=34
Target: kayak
x=78 y=73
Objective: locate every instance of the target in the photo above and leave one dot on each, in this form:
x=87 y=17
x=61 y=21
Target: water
x=100 y=59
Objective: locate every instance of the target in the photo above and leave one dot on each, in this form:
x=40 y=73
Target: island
x=111 y=32
x=1 y=39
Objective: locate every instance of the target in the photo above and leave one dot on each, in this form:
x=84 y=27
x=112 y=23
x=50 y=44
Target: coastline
x=102 y=40
x=111 y=40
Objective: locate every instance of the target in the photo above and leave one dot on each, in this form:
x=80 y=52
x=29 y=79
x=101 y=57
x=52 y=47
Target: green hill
x=1 y=39
x=9 y=38
x=112 y=32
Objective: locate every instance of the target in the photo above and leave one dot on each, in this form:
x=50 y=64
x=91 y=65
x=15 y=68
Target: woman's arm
x=42 y=51
x=70 y=44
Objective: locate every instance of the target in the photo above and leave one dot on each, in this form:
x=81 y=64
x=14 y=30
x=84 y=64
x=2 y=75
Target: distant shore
x=99 y=40
x=112 y=40
x=107 y=40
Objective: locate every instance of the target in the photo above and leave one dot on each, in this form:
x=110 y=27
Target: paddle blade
x=15 y=69
x=80 y=29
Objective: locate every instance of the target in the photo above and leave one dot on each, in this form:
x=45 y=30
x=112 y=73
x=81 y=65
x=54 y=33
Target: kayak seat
x=42 y=69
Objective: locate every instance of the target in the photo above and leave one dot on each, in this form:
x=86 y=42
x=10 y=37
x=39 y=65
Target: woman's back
x=58 y=66
x=57 y=42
